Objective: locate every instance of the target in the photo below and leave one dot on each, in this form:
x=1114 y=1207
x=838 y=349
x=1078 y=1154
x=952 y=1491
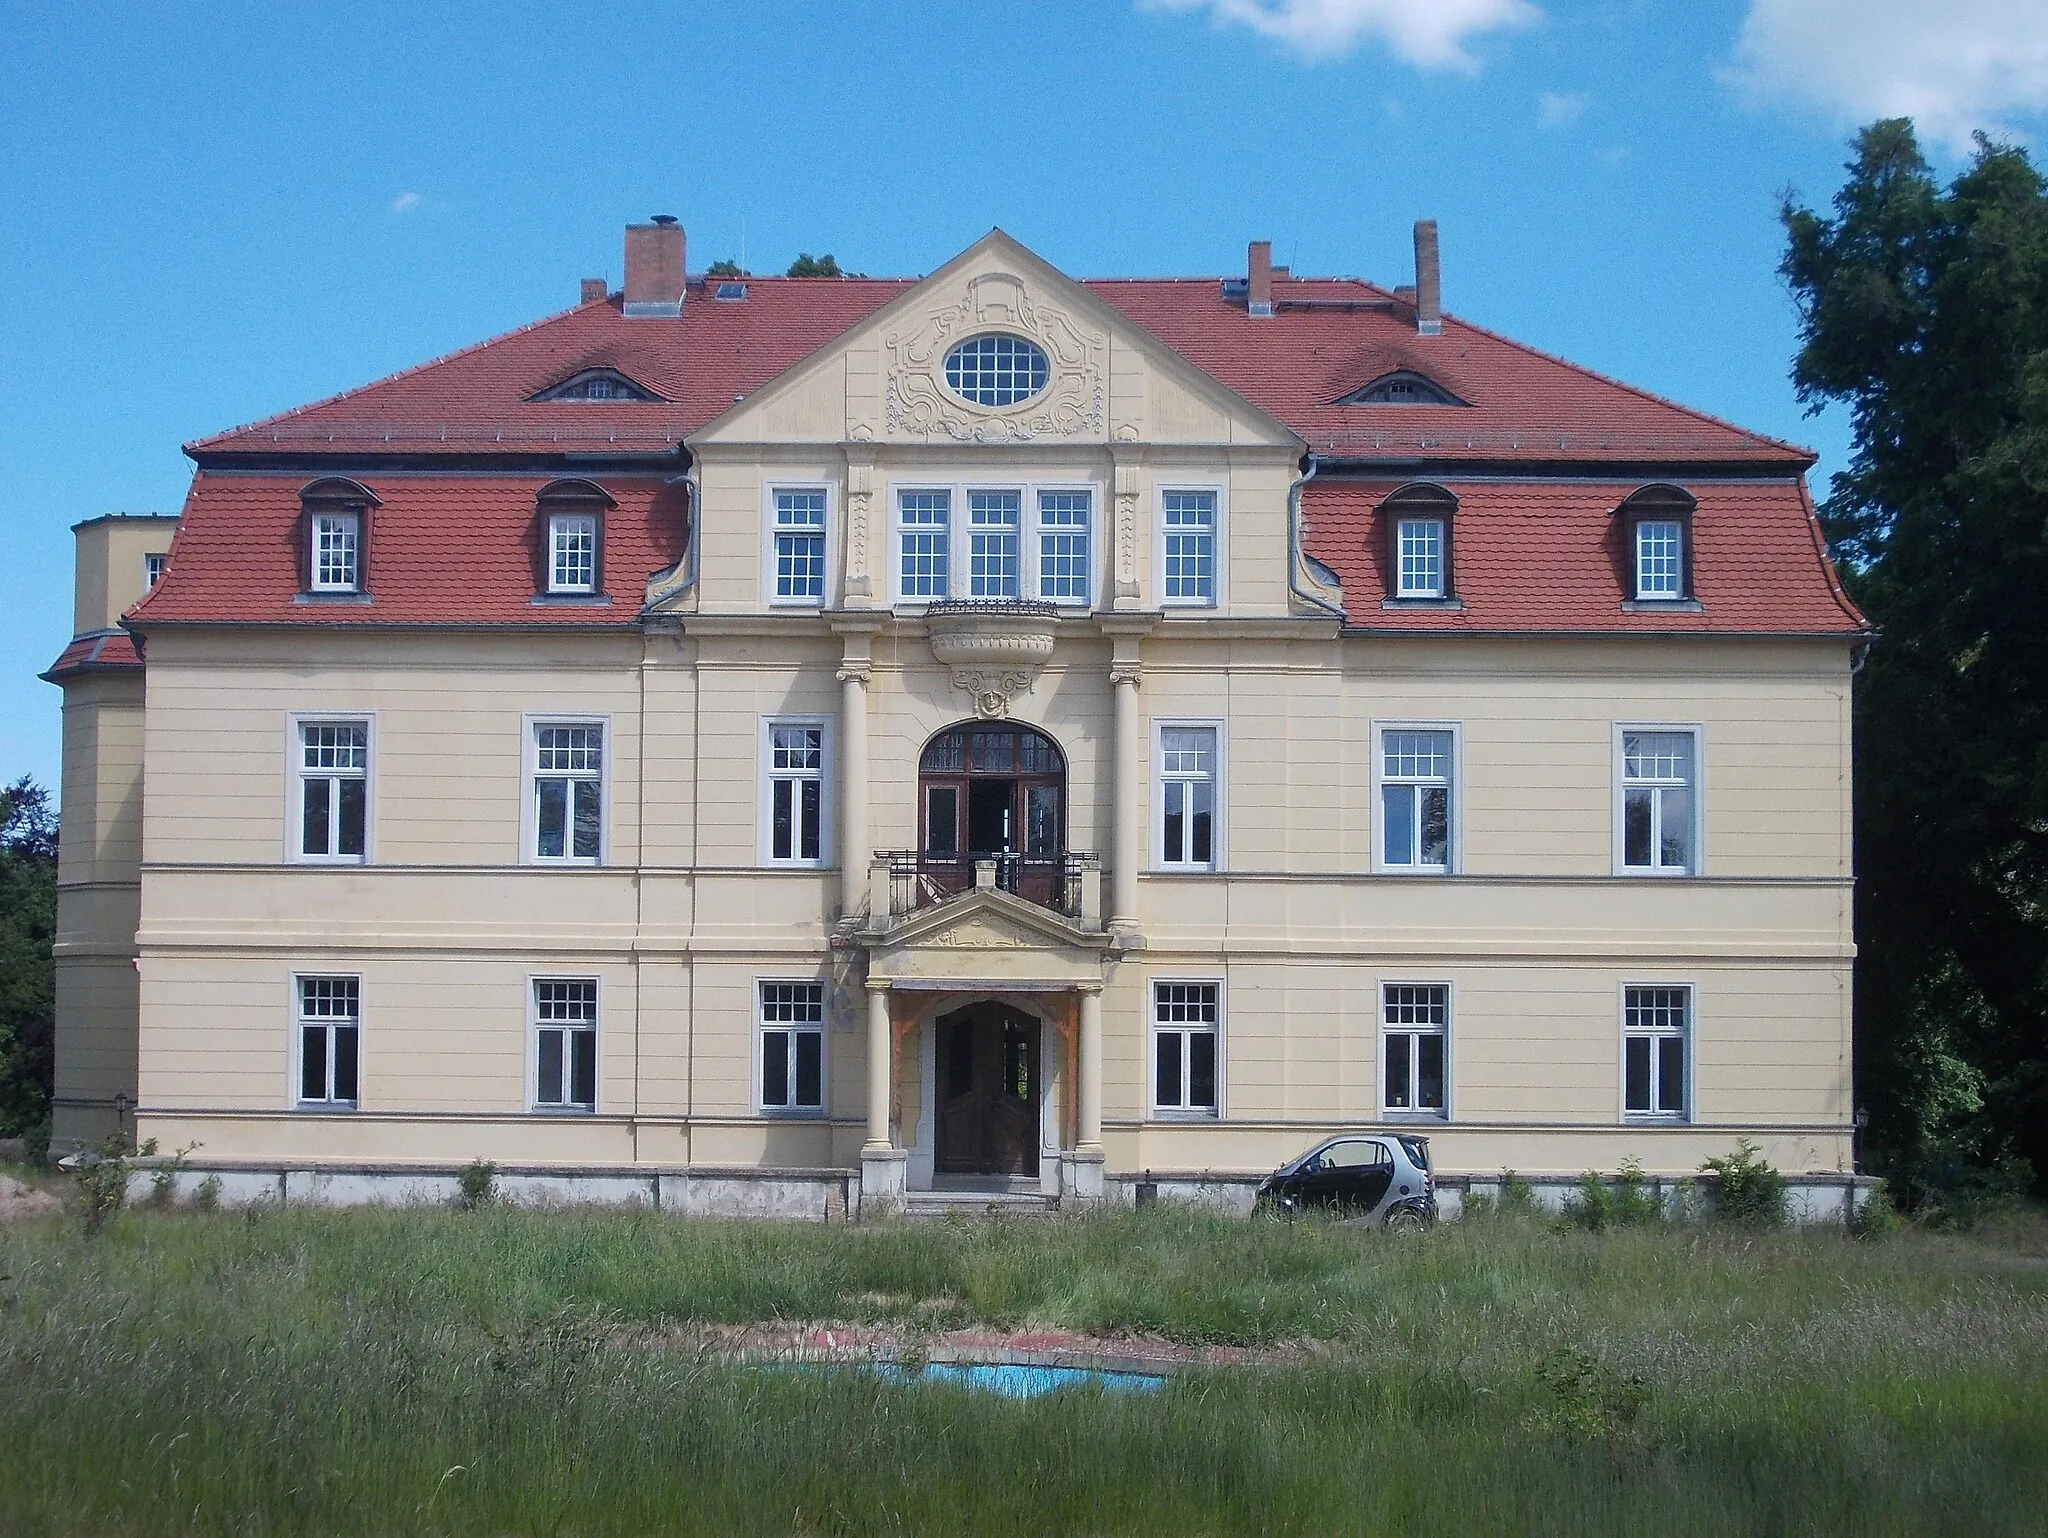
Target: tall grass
x=504 y=1372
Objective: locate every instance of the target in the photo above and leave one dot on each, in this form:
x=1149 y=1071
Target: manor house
x=810 y=741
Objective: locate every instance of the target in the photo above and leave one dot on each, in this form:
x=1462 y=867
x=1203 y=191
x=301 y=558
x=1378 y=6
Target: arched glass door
x=998 y=793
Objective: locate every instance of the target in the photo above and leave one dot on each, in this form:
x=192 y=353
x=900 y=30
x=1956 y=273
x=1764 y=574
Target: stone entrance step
x=989 y=1203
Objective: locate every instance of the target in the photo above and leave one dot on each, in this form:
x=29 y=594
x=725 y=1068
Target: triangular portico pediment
x=1107 y=378
x=986 y=937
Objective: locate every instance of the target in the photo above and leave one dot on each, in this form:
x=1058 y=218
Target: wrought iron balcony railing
x=1070 y=883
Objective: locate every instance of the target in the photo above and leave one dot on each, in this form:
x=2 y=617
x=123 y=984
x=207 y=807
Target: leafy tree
x=1925 y=310
x=726 y=269
x=809 y=266
x=28 y=984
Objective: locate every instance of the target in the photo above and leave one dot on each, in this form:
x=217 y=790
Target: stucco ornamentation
x=994 y=647
x=921 y=405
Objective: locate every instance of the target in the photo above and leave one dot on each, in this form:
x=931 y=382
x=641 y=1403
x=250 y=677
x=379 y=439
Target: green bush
x=207 y=1197
x=101 y=1175
x=1588 y=1400
x=476 y=1185
x=1876 y=1219
x=1515 y=1198
x=1747 y=1188
x=1622 y=1202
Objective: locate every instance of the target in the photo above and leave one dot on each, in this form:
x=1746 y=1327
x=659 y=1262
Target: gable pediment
x=886 y=380
x=987 y=935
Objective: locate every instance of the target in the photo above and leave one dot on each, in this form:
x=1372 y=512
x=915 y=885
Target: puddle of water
x=1012 y=1381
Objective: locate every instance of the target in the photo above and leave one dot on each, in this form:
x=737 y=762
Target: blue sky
x=218 y=216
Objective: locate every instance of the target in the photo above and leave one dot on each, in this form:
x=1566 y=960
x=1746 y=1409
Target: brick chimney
x=595 y=291
x=1259 y=274
x=654 y=267
x=1429 y=297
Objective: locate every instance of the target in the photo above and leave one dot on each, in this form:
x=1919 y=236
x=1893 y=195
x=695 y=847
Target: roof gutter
x=1296 y=555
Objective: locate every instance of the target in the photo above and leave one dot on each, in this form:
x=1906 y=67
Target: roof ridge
x=214 y=439
x=1635 y=390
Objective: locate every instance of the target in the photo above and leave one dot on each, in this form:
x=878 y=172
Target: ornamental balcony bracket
x=995 y=647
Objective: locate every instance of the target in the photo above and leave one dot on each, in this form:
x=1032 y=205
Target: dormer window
x=1417 y=523
x=568 y=539
x=1402 y=387
x=1657 y=541
x=153 y=569
x=572 y=553
x=334 y=537
x=597 y=384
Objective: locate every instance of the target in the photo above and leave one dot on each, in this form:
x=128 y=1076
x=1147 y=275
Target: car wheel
x=1405 y=1220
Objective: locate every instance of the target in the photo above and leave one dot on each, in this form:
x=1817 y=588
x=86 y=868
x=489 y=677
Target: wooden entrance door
x=988 y=1092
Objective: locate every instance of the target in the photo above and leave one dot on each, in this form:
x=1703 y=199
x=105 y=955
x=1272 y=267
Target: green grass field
x=515 y=1372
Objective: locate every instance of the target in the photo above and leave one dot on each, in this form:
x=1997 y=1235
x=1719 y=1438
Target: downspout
x=1295 y=554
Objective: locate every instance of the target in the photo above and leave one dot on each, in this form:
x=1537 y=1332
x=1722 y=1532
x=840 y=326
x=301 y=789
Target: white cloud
x=1952 y=67
x=406 y=202
x=1554 y=109
x=1430 y=34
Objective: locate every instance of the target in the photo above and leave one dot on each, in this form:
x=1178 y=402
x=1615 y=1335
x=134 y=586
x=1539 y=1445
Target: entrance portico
x=998 y=1004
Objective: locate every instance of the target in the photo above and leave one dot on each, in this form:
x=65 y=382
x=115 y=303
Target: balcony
x=901 y=881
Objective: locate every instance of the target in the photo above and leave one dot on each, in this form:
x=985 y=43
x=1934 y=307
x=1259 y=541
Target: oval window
x=996 y=370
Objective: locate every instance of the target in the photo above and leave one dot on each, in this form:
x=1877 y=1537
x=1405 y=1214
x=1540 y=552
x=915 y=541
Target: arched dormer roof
x=574 y=489
x=339 y=488
x=1658 y=497
x=596 y=384
x=1401 y=387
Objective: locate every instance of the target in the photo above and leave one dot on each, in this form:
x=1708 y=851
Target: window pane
x=1397 y=810
x=1042 y=819
x=589 y=818
x=1063 y=544
x=783 y=840
x=1636 y=1074
x=313 y=1062
x=1671 y=1073
x=1202 y=849
x=1167 y=1085
x=1398 y=1088
x=1635 y=827
x=1172 y=834
x=583 y=1068
x=775 y=1068
x=1421 y=558
x=344 y=1062
x=550 y=1076
x=1436 y=826
x=1202 y=1070
x=809 y=843
x=313 y=829
x=1429 y=1073
x=1658 y=560
x=552 y=798
x=350 y=837
x=1674 y=830
x=942 y=820
x=810 y=1069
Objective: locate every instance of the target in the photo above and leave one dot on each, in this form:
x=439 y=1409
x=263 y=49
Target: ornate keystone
x=995 y=647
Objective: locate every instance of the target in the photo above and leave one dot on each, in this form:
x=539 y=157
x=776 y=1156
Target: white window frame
x=154 y=564
x=1219 y=840
x=1454 y=851
x=1690 y=1056
x=960 y=534
x=764 y=778
x=1402 y=524
x=1038 y=529
x=295 y=778
x=558 y=525
x=529 y=840
x=1154 y=1029
x=314 y=581
x=297 y=1054
x=771 y=528
x=1637 y=525
x=762 y=1025
x=1619 y=768
x=535 y=1025
x=1219 y=576
x=1391 y=1112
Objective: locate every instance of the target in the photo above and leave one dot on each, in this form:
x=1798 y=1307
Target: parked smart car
x=1378 y=1178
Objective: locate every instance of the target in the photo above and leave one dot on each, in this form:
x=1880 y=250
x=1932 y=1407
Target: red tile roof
x=1545 y=556
x=1327 y=338
x=441 y=550
x=97 y=651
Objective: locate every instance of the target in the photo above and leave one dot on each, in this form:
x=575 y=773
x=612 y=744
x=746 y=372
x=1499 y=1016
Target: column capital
x=855 y=670
x=878 y=985
x=1132 y=673
x=1089 y=990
